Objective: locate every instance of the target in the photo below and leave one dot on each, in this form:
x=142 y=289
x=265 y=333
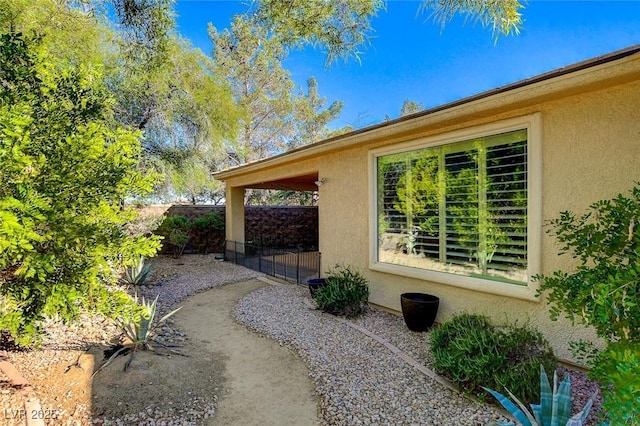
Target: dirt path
x=264 y=383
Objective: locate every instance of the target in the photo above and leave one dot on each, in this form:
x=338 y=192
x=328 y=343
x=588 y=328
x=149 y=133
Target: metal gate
x=291 y=265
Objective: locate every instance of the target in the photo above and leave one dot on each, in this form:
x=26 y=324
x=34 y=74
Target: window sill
x=525 y=292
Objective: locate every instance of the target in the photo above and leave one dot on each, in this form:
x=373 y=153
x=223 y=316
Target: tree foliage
x=186 y=112
x=65 y=169
x=68 y=30
x=410 y=107
x=192 y=180
x=341 y=27
x=310 y=120
x=273 y=118
x=145 y=27
x=251 y=62
x=160 y=83
x=502 y=16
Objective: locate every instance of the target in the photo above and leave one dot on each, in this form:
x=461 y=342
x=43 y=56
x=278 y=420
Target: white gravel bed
x=360 y=382
x=173 y=280
x=393 y=329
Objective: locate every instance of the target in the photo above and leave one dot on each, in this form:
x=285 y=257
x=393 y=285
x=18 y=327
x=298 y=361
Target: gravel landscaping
x=358 y=379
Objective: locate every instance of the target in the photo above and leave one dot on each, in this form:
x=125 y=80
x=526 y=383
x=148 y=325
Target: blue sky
x=411 y=57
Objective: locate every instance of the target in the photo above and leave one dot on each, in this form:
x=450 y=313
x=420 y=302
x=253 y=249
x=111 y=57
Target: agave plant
x=141 y=331
x=137 y=273
x=554 y=408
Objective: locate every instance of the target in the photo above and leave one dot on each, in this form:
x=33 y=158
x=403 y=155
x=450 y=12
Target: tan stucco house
x=452 y=201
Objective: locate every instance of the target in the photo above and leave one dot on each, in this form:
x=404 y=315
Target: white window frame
x=533 y=124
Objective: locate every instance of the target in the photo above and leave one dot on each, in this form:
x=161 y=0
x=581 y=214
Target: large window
x=460 y=208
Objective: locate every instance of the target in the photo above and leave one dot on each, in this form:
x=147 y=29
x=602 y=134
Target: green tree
x=180 y=103
x=251 y=62
x=192 y=180
x=68 y=30
x=186 y=112
x=167 y=88
x=65 y=168
x=341 y=27
x=409 y=107
x=310 y=121
x=274 y=119
x=145 y=28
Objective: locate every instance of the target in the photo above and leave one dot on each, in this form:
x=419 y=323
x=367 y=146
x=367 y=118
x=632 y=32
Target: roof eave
x=581 y=74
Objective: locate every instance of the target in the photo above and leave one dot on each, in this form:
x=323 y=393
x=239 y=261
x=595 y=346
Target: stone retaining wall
x=269 y=226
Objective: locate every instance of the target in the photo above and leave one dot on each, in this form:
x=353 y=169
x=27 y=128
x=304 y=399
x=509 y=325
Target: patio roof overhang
x=295 y=183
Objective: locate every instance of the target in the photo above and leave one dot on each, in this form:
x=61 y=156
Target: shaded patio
x=296 y=265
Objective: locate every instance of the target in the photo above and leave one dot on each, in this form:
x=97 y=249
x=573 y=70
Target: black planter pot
x=315 y=284
x=419 y=310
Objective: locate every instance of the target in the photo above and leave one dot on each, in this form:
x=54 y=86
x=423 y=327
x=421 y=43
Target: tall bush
x=65 y=169
x=603 y=292
x=176 y=231
x=203 y=231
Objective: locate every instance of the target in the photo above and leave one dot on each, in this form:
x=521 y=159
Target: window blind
x=459 y=208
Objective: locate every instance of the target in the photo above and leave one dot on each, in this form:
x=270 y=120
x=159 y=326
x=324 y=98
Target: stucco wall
x=590 y=151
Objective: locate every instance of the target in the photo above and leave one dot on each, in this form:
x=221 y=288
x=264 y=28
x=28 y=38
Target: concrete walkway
x=265 y=383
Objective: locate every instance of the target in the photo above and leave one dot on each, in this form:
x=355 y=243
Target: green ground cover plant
x=472 y=352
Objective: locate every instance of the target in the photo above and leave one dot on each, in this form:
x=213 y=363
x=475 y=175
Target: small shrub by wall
x=472 y=352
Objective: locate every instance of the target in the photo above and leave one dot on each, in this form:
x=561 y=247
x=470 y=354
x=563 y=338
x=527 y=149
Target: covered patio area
x=299 y=264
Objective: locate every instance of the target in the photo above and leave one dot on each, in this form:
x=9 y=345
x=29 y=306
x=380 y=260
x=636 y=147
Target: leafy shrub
x=176 y=230
x=617 y=369
x=65 y=167
x=203 y=231
x=603 y=292
x=346 y=292
x=473 y=353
